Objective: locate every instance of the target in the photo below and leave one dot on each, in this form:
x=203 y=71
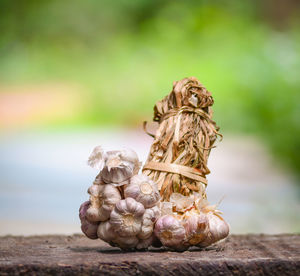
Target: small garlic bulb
x=181 y=202
x=143 y=190
x=105 y=232
x=218 y=229
x=103 y=199
x=196 y=227
x=120 y=166
x=87 y=227
x=149 y=218
x=170 y=232
x=126 y=217
x=97 y=158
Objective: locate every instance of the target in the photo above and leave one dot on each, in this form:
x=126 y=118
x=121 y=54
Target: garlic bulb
x=103 y=199
x=218 y=229
x=105 y=232
x=87 y=227
x=143 y=190
x=126 y=217
x=149 y=218
x=196 y=227
x=181 y=202
x=120 y=166
x=97 y=158
x=170 y=232
x=126 y=242
x=145 y=243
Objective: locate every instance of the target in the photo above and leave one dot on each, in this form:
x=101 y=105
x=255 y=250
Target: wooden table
x=238 y=255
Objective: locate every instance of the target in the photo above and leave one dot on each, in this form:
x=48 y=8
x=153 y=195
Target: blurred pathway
x=44 y=178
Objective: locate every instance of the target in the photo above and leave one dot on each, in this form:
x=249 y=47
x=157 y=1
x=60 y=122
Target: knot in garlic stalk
x=103 y=199
x=149 y=218
x=170 y=231
x=120 y=166
x=126 y=217
x=196 y=226
x=143 y=190
x=218 y=229
x=87 y=227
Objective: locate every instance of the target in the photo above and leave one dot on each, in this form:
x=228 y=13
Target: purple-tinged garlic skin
x=87 y=227
x=143 y=190
x=103 y=198
x=149 y=218
x=196 y=227
x=126 y=217
x=170 y=232
x=218 y=229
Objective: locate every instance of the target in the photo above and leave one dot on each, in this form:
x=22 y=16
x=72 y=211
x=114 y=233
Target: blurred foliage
x=126 y=54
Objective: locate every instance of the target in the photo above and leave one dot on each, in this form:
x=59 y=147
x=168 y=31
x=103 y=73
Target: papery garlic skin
x=105 y=232
x=119 y=166
x=170 y=232
x=149 y=218
x=87 y=227
x=103 y=199
x=143 y=190
x=218 y=229
x=97 y=158
x=181 y=202
x=196 y=227
x=126 y=217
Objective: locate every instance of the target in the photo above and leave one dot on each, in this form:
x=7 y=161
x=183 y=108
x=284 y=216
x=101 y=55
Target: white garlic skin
x=218 y=229
x=126 y=217
x=105 y=232
x=181 y=202
x=97 y=158
x=126 y=242
x=143 y=190
x=149 y=218
x=166 y=208
x=103 y=199
x=88 y=228
x=196 y=227
x=119 y=166
x=170 y=232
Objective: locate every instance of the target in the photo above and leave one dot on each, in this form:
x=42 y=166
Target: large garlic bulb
x=126 y=217
x=170 y=231
x=143 y=190
x=218 y=229
x=105 y=232
x=149 y=218
x=103 y=199
x=196 y=226
x=120 y=166
x=87 y=227
x=126 y=242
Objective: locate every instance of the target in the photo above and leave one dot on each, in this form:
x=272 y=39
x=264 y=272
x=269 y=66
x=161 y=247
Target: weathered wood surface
x=238 y=255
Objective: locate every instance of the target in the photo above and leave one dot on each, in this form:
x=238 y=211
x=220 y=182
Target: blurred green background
x=70 y=64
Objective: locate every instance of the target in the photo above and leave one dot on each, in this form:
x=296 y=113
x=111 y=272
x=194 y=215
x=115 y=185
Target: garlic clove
x=97 y=158
x=181 y=202
x=170 y=232
x=196 y=227
x=143 y=190
x=218 y=229
x=103 y=199
x=149 y=218
x=88 y=228
x=105 y=232
x=126 y=217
